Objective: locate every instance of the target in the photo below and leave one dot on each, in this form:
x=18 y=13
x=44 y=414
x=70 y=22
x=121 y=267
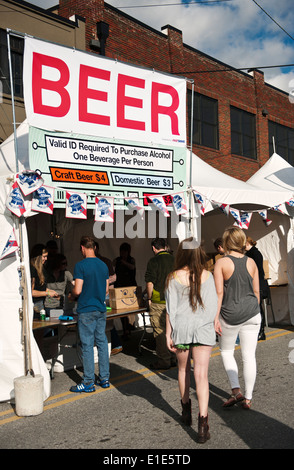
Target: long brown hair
x=36 y=261
x=195 y=260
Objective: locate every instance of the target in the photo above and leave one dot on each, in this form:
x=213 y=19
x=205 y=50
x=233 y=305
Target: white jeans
x=248 y=334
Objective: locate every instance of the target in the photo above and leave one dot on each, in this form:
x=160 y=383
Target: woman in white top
x=191 y=305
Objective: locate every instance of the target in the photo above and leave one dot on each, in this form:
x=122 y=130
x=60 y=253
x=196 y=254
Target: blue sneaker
x=103 y=383
x=83 y=388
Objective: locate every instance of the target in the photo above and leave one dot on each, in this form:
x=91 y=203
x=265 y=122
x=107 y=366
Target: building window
x=243 y=134
x=205 y=120
x=17 y=47
x=281 y=140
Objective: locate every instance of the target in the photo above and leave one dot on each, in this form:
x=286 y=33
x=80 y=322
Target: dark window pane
x=205 y=120
x=281 y=140
x=243 y=136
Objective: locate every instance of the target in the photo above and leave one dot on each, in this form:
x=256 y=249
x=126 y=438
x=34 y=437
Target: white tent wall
x=12 y=351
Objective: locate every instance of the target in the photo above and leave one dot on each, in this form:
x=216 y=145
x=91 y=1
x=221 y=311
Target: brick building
x=237 y=116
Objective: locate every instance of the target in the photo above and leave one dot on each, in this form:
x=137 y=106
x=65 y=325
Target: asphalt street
x=138 y=417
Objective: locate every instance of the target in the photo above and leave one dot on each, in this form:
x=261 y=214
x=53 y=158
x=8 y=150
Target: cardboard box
x=124 y=297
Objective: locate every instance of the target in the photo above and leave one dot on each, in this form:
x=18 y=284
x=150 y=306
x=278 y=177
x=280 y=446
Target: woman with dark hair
x=191 y=305
x=38 y=257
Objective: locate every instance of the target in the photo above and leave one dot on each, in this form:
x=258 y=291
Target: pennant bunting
x=29 y=181
x=10 y=247
x=291 y=202
x=200 y=200
x=225 y=208
x=158 y=201
x=263 y=215
x=76 y=205
x=278 y=209
x=43 y=200
x=15 y=201
x=134 y=203
x=179 y=203
x=245 y=219
x=104 y=209
x=236 y=214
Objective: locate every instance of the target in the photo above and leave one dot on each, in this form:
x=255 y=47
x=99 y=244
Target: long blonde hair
x=194 y=259
x=234 y=239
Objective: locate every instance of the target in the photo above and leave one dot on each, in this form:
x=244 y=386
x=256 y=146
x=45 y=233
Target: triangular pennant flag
x=278 y=209
x=43 y=199
x=236 y=214
x=225 y=208
x=179 y=203
x=291 y=202
x=263 y=215
x=29 y=181
x=199 y=200
x=134 y=203
x=15 y=201
x=104 y=209
x=76 y=205
x=245 y=219
x=158 y=201
x=10 y=247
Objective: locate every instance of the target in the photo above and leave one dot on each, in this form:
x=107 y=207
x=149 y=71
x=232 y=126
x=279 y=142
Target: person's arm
x=168 y=333
x=42 y=293
x=73 y=295
x=149 y=290
x=253 y=270
x=219 y=285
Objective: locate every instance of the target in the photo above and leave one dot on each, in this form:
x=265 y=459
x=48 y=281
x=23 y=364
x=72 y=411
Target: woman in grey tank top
x=191 y=304
x=237 y=285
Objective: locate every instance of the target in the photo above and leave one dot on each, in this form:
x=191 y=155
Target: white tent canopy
x=219 y=187
x=275 y=174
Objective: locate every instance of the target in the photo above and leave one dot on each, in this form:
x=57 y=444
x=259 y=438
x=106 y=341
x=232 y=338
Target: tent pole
x=191 y=148
x=18 y=223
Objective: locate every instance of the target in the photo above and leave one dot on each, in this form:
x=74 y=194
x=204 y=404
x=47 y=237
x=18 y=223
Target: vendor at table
x=60 y=280
x=40 y=290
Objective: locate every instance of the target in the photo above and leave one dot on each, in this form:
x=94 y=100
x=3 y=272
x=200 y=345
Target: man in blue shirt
x=91 y=286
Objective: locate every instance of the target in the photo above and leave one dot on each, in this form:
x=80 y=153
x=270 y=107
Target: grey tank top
x=239 y=301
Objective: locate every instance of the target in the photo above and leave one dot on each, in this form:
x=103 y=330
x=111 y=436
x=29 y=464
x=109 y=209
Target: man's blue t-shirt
x=94 y=273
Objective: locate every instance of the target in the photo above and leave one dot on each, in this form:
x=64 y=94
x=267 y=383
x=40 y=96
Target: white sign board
x=77 y=92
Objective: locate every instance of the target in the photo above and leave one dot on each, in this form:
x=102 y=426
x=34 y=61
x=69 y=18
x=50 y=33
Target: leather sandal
x=234 y=398
x=246 y=404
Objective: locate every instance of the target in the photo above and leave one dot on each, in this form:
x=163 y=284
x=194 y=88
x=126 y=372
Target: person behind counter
x=58 y=279
x=125 y=270
x=38 y=257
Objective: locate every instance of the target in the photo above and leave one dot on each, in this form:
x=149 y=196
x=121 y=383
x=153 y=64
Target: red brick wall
x=131 y=41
